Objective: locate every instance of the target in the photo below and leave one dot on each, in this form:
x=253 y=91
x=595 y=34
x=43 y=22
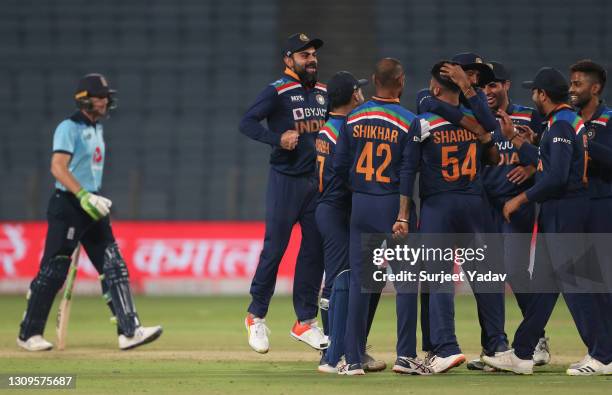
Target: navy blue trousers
x=562 y=216
x=373 y=214
x=333 y=224
x=517 y=247
x=289 y=200
x=599 y=220
x=458 y=213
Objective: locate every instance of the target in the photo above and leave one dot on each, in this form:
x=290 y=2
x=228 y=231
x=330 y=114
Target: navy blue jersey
x=561 y=170
x=287 y=105
x=332 y=189
x=494 y=178
x=372 y=147
x=448 y=157
x=599 y=134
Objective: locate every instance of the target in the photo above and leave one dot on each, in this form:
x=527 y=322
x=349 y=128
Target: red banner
x=162 y=257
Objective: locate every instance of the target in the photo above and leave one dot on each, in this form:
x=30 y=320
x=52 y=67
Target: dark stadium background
x=187 y=69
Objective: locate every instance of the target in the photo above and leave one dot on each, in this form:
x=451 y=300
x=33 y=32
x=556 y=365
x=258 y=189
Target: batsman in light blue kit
x=78 y=213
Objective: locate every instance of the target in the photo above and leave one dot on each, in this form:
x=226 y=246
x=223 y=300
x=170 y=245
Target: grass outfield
x=204 y=350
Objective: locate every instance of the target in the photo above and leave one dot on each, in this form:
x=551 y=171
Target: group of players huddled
x=344 y=167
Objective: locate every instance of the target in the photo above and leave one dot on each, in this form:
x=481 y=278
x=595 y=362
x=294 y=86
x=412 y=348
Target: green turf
x=204 y=350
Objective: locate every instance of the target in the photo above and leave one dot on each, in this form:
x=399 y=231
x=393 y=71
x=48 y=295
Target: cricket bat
x=63 y=312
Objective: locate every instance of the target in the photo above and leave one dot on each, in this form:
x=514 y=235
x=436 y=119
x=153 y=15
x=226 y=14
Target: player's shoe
x=35 y=343
x=541 y=354
x=584 y=360
x=477 y=364
x=589 y=367
x=439 y=364
x=428 y=356
x=371 y=364
x=508 y=361
x=325 y=367
x=142 y=336
x=311 y=334
x=258 y=333
x=353 y=369
x=414 y=366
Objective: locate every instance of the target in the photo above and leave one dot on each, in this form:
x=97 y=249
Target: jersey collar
x=290 y=73
x=560 y=107
x=600 y=109
x=335 y=115
x=386 y=100
x=79 y=117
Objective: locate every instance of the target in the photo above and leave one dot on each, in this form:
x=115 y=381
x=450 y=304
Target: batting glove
x=97 y=207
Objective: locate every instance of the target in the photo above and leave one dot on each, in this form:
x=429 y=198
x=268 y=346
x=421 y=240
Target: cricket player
x=78 y=213
x=295 y=108
x=333 y=214
x=371 y=156
x=449 y=158
x=587 y=81
x=505 y=180
x=560 y=188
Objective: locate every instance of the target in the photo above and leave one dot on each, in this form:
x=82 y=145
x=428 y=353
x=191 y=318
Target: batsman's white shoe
x=354 y=369
x=142 y=336
x=541 y=354
x=258 y=333
x=590 y=367
x=311 y=334
x=508 y=361
x=35 y=343
x=439 y=364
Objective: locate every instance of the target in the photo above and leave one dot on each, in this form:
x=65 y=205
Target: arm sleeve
x=528 y=154
x=428 y=103
x=251 y=126
x=555 y=178
x=64 y=138
x=342 y=157
x=478 y=104
x=411 y=156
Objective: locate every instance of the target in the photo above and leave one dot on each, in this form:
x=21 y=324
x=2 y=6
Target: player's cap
x=548 y=79
x=341 y=86
x=93 y=85
x=298 y=41
x=472 y=61
x=500 y=72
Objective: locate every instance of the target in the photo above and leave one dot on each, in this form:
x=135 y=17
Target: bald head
x=389 y=74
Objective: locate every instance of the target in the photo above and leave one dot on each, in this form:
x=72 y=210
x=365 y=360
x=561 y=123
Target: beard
x=539 y=108
x=580 y=101
x=308 y=78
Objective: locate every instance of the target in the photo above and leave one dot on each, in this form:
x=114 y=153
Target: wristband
x=402 y=220
x=82 y=192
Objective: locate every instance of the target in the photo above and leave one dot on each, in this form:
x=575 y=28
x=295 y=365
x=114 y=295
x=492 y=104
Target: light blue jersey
x=83 y=140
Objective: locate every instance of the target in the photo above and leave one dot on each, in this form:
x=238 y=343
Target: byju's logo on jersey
x=298 y=113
